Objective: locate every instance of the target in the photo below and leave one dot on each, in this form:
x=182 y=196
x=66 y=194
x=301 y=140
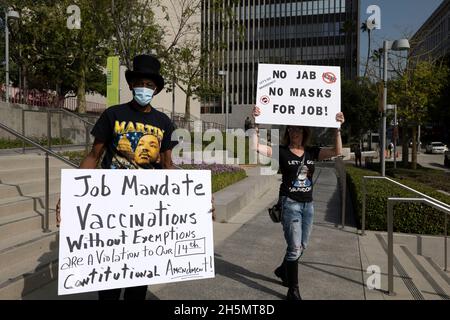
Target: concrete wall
x=236 y=119
x=63 y=124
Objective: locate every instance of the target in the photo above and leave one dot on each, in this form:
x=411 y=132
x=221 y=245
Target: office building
x=319 y=32
x=431 y=41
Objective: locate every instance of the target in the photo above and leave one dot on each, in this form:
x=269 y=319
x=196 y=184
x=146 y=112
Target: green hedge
x=408 y=218
x=16 y=143
x=223 y=180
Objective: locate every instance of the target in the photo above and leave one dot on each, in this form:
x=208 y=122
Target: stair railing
x=48 y=153
x=390 y=225
x=49 y=111
x=363 y=222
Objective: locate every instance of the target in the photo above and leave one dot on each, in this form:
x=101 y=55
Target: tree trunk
x=414 y=148
x=368 y=53
x=405 y=148
x=187 y=110
x=25 y=84
x=81 y=90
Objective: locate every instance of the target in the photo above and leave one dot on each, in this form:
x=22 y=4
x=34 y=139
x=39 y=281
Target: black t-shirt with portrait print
x=134 y=139
x=297 y=173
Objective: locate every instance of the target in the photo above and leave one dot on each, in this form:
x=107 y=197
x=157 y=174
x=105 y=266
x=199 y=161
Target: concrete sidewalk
x=250 y=246
x=246 y=260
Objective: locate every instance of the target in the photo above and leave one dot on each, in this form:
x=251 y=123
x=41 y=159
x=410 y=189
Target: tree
x=415 y=92
x=135 y=28
x=184 y=57
x=365 y=28
x=439 y=113
x=54 y=57
x=359 y=104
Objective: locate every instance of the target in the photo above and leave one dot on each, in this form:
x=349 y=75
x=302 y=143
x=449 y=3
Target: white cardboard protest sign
x=125 y=228
x=298 y=95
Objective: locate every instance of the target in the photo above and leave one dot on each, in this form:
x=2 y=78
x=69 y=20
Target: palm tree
x=376 y=57
x=365 y=28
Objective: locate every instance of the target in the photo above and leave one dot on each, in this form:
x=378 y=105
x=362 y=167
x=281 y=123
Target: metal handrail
x=47 y=170
x=58 y=111
x=37 y=145
x=390 y=224
x=363 y=222
x=76 y=116
x=86 y=125
x=340 y=168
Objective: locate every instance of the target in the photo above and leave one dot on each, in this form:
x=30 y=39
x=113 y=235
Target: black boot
x=281 y=273
x=292 y=277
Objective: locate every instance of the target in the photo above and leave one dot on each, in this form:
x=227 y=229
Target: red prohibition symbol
x=265 y=100
x=329 y=77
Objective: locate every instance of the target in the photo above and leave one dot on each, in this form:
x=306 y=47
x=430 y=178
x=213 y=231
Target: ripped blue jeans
x=297 y=224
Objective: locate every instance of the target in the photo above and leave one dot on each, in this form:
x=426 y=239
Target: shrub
x=408 y=217
x=221 y=175
x=17 y=143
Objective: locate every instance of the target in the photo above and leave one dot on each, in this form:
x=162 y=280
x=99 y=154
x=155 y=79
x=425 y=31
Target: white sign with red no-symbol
x=299 y=95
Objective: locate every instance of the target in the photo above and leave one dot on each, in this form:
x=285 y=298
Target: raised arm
x=254 y=138
x=326 y=153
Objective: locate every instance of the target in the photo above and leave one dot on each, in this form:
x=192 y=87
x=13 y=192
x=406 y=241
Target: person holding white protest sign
x=296 y=161
x=134 y=135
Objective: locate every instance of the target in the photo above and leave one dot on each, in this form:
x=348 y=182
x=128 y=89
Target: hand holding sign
x=340 y=118
x=58 y=213
x=256 y=111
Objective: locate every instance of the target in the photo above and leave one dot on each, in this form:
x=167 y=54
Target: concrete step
x=232 y=199
x=445 y=275
x=28 y=265
x=424 y=276
x=25 y=252
x=28 y=282
x=374 y=255
x=9 y=190
x=23 y=222
x=30 y=202
x=415 y=277
x=16 y=175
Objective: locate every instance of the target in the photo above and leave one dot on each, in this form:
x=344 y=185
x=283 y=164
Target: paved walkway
x=250 y=246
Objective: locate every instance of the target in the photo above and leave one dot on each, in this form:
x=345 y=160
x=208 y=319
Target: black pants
x=131 y=293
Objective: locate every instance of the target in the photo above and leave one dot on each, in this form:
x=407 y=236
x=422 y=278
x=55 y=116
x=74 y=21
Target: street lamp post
x=397 y=45
x=8 y=14
x=225 y=74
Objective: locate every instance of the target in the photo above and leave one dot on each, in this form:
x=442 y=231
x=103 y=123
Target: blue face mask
x=143 y=96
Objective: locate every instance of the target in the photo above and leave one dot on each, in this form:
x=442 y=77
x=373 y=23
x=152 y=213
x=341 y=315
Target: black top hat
x=146 y=66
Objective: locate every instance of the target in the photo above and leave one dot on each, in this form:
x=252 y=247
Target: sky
x=398 y=18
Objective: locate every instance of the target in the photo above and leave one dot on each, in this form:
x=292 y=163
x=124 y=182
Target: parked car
x=447 y=158
x=435 y=147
